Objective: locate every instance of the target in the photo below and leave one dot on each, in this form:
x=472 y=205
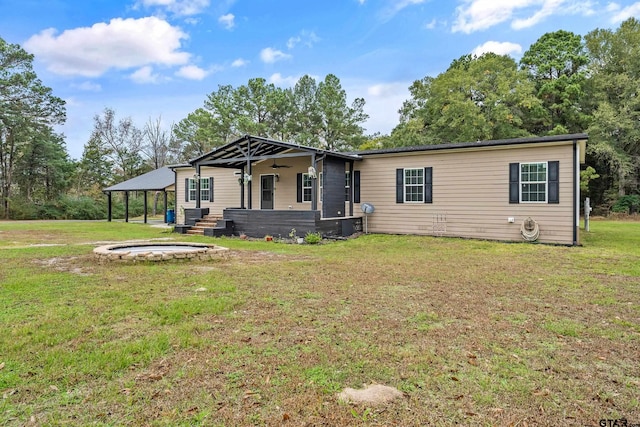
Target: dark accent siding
x=333 y=203
x=278 y=223
x=186 y=189
x=554 y=181
x=428 y=185
x=399 y=185
x=356 y=186
x=211 y=189
x=299 y=187
x=192 y=215
x=514 y=182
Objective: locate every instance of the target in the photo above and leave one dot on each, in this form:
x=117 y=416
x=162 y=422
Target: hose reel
x=530 y=230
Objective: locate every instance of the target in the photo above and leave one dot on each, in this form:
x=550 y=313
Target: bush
x=313 y=238
x=627 y=204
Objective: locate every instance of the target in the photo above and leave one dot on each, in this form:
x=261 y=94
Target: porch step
x=208 y=221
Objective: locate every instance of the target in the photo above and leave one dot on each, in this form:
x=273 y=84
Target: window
x=414 y=185
x=533 y=182
x=193 y=190
x=321 y=184
x=307 y=187
x=206 y=189
x=347 y=186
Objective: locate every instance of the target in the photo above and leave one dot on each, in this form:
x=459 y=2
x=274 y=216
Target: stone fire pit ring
x=159 y=251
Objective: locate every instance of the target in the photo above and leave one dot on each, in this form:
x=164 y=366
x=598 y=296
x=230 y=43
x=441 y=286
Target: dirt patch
x=66 y=264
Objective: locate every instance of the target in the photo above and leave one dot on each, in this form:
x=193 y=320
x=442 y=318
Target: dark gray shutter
x=299 y=187
x=186 y=189
x=428 y=185
x=514 y=182
x=554 y=181
x=399 y=185
x=211 y=189
x=356 y=186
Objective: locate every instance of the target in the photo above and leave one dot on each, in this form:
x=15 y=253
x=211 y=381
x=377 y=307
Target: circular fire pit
x=133 y=252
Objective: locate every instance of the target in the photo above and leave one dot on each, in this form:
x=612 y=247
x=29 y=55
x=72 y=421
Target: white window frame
x=193 y=190
x=205 y=194
x=533 y=182
x=347 y=186
x=413 y=185
x=307 y=190
x=321 y=185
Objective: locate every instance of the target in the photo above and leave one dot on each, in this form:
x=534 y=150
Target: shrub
x=627 y=204
x=312 y=238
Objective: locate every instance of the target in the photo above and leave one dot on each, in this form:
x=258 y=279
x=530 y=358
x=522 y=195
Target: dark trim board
x=279 y=223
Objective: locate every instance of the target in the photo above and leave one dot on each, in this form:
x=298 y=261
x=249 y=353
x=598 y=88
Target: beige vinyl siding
x=226 y=191
x=470 y=194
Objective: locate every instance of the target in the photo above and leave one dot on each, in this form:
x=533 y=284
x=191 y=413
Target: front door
x=267 y=186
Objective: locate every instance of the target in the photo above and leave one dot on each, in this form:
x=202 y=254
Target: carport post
x=109 y=206
x=126 y=206
x=145 y=206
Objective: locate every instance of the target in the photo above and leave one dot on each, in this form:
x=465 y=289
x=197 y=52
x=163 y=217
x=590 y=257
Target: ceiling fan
x=276 y=166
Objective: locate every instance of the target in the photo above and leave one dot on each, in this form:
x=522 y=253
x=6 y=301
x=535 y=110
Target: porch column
x=249 y=183
x=126 y=206
x=351 y=181
x=197 y=178
x=109 y=206
x=314 y=184
x=241 y=189
x=145 y=206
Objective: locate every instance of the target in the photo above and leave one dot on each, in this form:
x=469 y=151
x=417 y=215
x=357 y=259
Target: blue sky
x=151 y=58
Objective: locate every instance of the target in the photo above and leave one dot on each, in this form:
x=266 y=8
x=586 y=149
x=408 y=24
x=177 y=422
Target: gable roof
x=156 y=180
x=252 y=148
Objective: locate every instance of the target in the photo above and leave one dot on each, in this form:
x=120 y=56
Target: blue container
x=171 y=216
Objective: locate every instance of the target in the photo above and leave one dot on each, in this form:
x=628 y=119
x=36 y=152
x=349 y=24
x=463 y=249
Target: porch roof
x=250 y=148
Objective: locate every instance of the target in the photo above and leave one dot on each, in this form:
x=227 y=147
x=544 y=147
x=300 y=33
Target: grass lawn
x=472 y=332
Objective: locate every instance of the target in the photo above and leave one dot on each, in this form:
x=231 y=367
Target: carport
x=159 y=180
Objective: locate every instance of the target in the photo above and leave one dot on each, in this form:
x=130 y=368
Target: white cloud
x=145 y=75
x=477 y=15
x=269 y=55
x=500 y=48
x=383 y=100
x=431 y=25
x=119 y=44
x=278 y=80
x=239 y=63
x=307 y=38
x=87 y=86
x=227 y=20
x=626 y=13
x=192 y=72
x=178 y=7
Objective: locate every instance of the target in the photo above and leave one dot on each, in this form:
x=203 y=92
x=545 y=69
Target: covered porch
x=278 y=187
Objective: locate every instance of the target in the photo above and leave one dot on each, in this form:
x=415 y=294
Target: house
x=511 y=190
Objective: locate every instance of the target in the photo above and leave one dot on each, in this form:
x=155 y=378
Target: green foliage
x=627 y=204
x=587 y=176
x=312 y=238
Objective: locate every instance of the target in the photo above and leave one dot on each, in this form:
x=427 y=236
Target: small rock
x=374 y=394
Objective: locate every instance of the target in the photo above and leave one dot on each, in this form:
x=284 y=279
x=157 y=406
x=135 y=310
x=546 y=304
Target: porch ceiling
x=249 y=148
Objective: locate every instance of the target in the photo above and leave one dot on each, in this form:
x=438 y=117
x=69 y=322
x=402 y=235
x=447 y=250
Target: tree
x=557 y=64
x=28 y=110
x=120 y=142
x=305 y=119
x=340 y=124
x=156 y=142
x=477 y=98
x=614 y=133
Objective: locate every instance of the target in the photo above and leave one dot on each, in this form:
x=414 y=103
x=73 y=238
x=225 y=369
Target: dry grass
x=473 y=333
